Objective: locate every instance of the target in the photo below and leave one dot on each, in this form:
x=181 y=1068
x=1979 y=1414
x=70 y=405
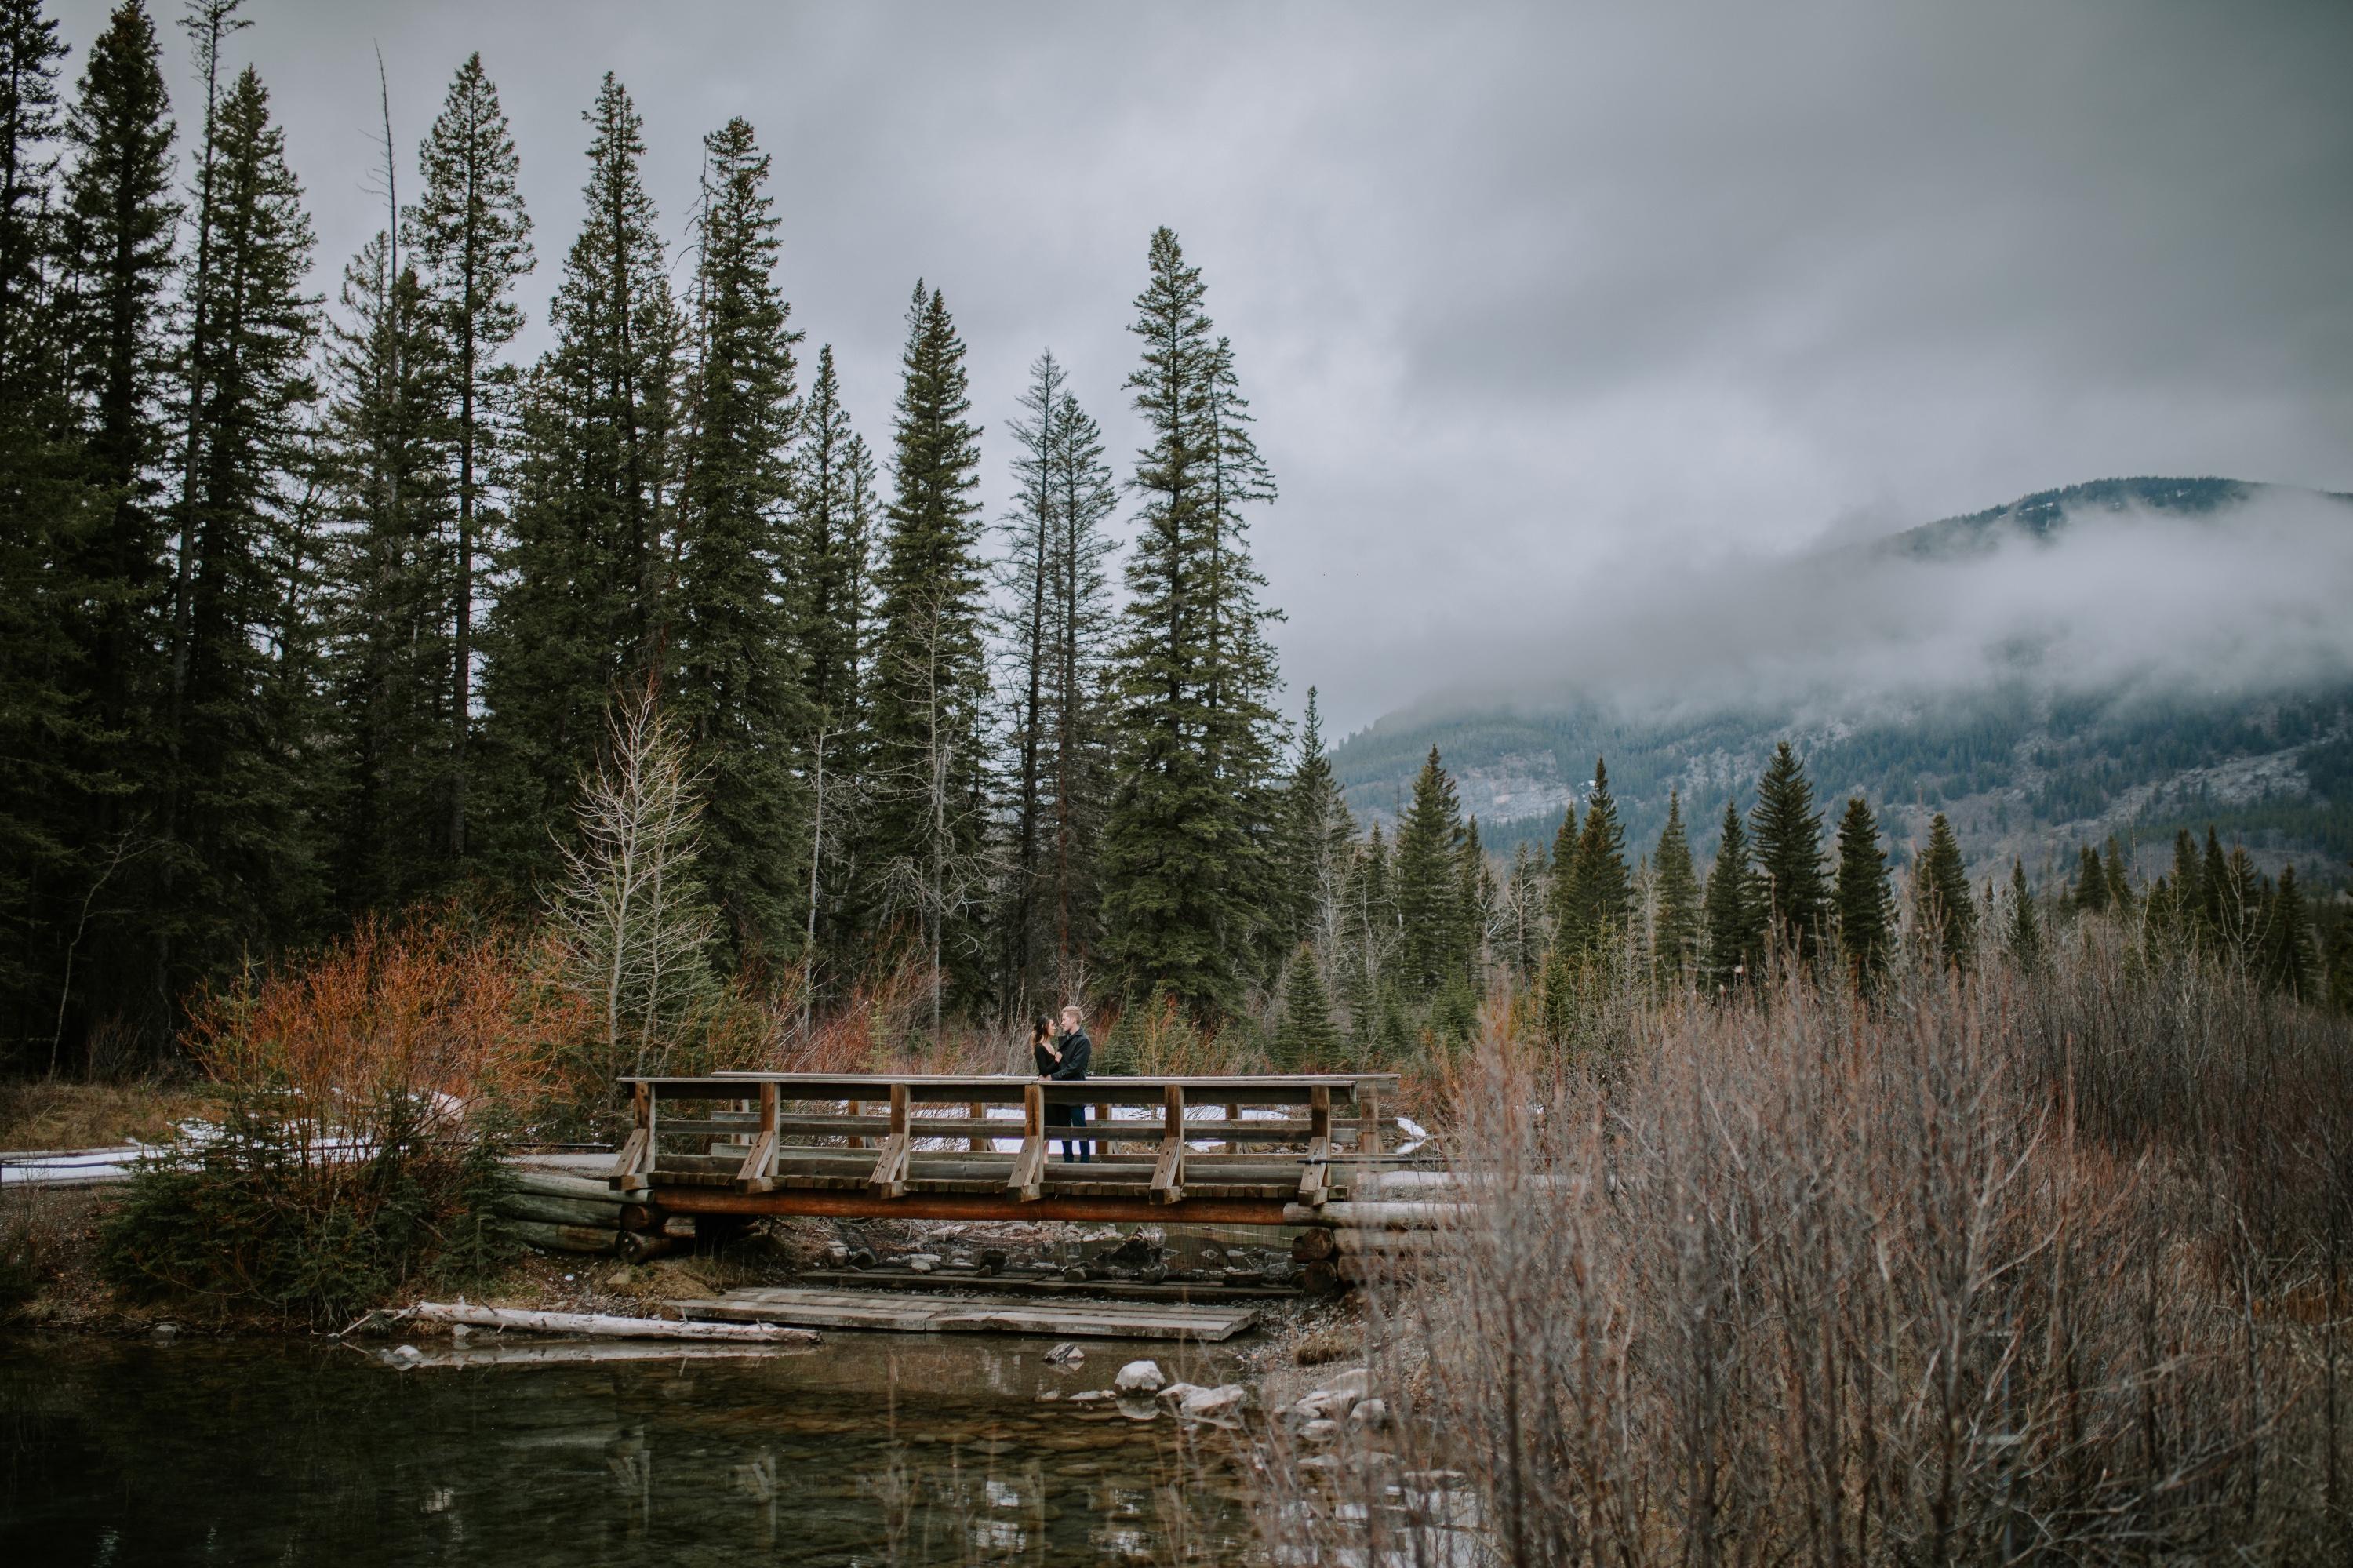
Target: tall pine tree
x=581 y=612
x=931 y=679
x=1676 y=932
x=235 y=812
x=1187 y=863
x=385 y=450
x=116 y=268
x=735 y=680
x=1865 y=907
x=1734 y=907
x=1431 y=918
x=1788 y=831
x=471 y=238
x=1600 y=899
x=1940 y=891
x=832 y=596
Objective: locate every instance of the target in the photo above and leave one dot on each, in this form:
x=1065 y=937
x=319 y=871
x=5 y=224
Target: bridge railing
x=1272 y=1137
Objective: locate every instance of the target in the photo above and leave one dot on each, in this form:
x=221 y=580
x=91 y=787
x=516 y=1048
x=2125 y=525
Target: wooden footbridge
x=1226 y=1151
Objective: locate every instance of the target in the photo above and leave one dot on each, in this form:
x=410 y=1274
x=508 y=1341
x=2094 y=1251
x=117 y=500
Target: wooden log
x=641 y=1246
x=1385 y=1216
x=549 y=1183
x=1321 y=1279
x=1389 y=1243
x=593 y=1213
x=597 y=1325
x=641 y=1216
x=562 y=1238
x=1312 y=1247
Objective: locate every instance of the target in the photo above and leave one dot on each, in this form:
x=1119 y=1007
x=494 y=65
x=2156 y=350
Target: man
x=1073 y=1050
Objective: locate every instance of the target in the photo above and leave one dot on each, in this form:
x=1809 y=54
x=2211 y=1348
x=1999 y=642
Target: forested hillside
x=2026 y=760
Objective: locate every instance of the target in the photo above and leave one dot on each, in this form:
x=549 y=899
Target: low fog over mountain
x=2120 y=657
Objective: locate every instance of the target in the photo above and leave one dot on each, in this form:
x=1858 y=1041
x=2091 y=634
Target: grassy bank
x=42 y=1113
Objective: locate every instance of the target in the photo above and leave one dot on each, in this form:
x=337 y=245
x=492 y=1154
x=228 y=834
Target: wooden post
x=889 y=1177
x=979 y=1143
x=1168 y=1174
x=1233 y=1113
x=1102 y=1118
x=1314 y=1178
x=1029 y=1178
x=856 y=1108
x=759 y=1169
x=637 y=1149
x=1369 y=1130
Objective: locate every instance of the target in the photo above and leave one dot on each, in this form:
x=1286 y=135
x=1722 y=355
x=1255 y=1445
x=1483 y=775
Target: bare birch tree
x=637 y=924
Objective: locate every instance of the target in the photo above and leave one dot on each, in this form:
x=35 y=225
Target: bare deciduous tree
x=637 y=924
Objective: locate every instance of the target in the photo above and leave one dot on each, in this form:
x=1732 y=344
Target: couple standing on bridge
x=1064 y=1057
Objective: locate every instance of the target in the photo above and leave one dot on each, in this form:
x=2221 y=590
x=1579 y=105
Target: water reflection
x=872 y=1450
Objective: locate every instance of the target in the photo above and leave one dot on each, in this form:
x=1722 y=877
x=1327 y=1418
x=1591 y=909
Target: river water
x=869 y=1449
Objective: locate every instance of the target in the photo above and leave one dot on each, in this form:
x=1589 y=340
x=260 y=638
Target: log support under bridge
x=1220 y=1150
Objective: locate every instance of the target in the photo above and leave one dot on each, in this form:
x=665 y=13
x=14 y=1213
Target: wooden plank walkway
x=811 y=1309
x=1042 y=1284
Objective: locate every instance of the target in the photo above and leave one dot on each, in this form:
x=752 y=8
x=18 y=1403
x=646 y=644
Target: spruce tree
x=1317 y=829
x=1561 y=900
x=2285 y=957
x=580 y=614
x=2219 y=906
x=1524 y=897
x=116 y=269
x=1306 y=1037
x=1476 y=898
x=1675 y=933
x=1187 y=861
x=2023 y=936
x=1080 y=627
x=389 y=570
x=2187 y=896
x=29 y=55
x=2112 y=868
x=471 y=238
x=1026 y=575
x=832 y=598
x=2091 y=894
x=44 y=519
x=1428 y=883
x=1600 y=900
x=1734 y=907
x=1056 y=624
x=1368 y=955
x=1788 y=837
x=736 y=682
x=1864 y=905
x=1940 y=891
x=931 y=678
x=234 y=815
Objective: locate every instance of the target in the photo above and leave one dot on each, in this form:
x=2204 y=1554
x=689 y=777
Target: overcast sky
x=1520 y=294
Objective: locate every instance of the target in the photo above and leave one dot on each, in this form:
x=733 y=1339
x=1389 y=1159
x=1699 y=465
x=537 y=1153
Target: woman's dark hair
x=1040 y=1026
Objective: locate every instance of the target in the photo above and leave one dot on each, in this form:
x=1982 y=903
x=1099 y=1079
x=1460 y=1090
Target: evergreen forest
x=323 y=613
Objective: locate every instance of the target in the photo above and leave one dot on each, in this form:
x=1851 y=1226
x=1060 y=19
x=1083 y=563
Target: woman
x=1047 y=1053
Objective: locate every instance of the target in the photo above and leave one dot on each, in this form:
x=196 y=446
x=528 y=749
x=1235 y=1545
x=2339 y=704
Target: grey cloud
x=1538 y=305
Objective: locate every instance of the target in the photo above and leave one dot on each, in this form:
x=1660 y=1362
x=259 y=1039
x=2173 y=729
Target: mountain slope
x=2094 y=665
